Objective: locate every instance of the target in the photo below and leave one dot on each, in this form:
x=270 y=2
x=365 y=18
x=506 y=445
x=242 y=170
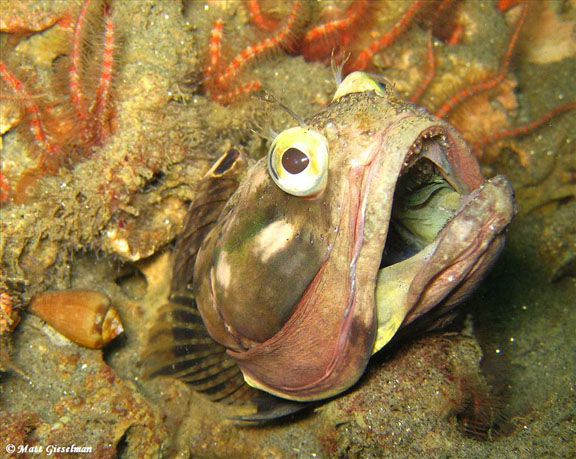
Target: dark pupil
x=294 y=161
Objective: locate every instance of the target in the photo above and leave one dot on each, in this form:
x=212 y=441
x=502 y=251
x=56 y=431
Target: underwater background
x=95 y=184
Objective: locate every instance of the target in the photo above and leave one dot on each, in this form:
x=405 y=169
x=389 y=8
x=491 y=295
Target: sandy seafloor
x=112 y=232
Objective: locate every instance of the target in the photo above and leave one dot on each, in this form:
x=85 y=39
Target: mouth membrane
x=444 y=232
x=426 y=198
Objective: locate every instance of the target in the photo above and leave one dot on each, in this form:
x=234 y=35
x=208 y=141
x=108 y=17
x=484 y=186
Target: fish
x=293 y=270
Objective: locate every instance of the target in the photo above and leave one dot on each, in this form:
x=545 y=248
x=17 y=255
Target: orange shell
x=83 y=316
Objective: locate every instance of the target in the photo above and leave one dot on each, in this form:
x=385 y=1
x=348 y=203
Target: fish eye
x=294 y=161
x=298 y=161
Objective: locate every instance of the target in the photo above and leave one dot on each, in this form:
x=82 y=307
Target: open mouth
x=426 y=198
x=445 y=231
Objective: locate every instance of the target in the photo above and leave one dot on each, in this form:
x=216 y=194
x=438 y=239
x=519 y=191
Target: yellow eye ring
x=298 y=161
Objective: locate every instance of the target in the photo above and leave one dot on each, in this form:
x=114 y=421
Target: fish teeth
x=416 y=149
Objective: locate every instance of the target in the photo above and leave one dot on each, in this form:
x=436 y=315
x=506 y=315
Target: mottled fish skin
x=292 y=293
x=214 y=191
x=179 y=345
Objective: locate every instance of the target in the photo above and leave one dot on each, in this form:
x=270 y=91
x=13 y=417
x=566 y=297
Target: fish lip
x=481 y=220
x=452 y=157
